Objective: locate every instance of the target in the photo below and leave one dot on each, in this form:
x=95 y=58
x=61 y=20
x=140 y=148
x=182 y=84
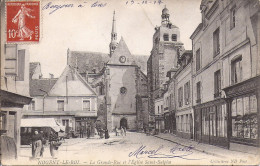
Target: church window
x=123 y=90
x=166 y=37
x=174 y=37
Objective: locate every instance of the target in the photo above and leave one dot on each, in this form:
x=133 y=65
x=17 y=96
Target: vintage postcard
x=130 y=82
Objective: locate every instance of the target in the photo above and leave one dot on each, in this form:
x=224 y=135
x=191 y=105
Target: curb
x=199 y=150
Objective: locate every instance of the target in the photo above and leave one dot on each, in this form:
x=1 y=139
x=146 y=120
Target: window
x=198 y=60
x=187 y=93
x=236 y=70
x=198 y=92
x=166 y=37
x=65 y=122
x=244 y=117
x=232 y=18
x=161 y=108
x=123 y=90
x=158 y=109
x=32 y=105
x=3 y=120
x=60 y=105
x=217 y=84
x=21 y=67
x=221 y=121
x=216 y=45
x=174 y=37
x=180 y=96
x=86 y=105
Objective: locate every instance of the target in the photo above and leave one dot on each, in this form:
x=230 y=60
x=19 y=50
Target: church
x=120 y=81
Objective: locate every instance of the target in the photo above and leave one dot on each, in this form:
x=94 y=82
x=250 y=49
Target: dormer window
x=166 y=37
x=174 y=37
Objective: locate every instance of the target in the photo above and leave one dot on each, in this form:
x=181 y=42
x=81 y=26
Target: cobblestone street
x=134 y=149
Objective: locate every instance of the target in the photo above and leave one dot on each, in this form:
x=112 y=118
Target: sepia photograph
x=130 y=82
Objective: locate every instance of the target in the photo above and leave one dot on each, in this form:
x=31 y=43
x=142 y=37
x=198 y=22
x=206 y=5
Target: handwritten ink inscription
x=52 y=7
x=175 y=152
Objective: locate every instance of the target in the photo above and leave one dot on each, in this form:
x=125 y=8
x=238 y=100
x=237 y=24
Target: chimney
x=51 y=75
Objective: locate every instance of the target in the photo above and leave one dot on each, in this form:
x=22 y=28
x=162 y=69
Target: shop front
x=184 y=120
x=170 y=122
x=210 y=125
x=159 y=123
x=82 y=123
x=11 y=105
x=243 y=114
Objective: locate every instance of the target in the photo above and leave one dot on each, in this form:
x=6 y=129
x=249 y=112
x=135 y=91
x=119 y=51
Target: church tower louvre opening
x=113 y=44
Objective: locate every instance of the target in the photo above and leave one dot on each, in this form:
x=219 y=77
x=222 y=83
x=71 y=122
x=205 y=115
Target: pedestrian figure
x=88 y=132
x=36 y=144
x=122 y=131
x=106 y=134
x=124 y=128
x=53 y=144
x=43 y=142
x=81 y=131
x=116 y=131
x=101 y=132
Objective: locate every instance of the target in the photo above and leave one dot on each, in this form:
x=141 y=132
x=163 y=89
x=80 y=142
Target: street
x=133 y=149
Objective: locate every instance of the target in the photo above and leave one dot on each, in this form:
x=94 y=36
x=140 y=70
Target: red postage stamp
x=23 y=21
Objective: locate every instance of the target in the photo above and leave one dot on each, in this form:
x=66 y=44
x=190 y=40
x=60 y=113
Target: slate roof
x=39 y=87
x=33 y=66
x=86 y=61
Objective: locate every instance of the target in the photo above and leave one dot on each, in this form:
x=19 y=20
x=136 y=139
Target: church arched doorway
x=123 y=123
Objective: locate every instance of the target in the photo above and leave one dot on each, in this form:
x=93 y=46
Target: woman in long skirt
x=53 y=142
x=36 y=144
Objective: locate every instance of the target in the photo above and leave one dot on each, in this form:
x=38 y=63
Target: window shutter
x=21 y=65
x=10 y=59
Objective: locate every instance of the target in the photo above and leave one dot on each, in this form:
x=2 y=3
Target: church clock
x=122 y=59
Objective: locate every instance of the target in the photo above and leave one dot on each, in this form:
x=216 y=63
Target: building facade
x=166 y=42
x=225 y=74
x=184 y=111
x=14 y=92
x=69 y=99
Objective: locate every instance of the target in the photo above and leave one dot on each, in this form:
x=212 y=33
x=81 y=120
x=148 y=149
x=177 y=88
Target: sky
x=89 y=28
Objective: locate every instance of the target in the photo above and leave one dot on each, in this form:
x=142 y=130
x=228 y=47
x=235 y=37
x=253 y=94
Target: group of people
x=81 y=131
x=122 y=131
x=102 y=132
x=39 y=140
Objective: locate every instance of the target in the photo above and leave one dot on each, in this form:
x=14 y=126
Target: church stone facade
x=120 y=81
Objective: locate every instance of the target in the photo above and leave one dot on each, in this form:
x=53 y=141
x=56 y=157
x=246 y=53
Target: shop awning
x=42 y=122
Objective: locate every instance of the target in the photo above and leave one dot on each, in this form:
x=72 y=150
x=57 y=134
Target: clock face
x=122 y=59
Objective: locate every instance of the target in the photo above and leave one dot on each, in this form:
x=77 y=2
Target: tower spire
x=113 y=42
x=114 y=23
